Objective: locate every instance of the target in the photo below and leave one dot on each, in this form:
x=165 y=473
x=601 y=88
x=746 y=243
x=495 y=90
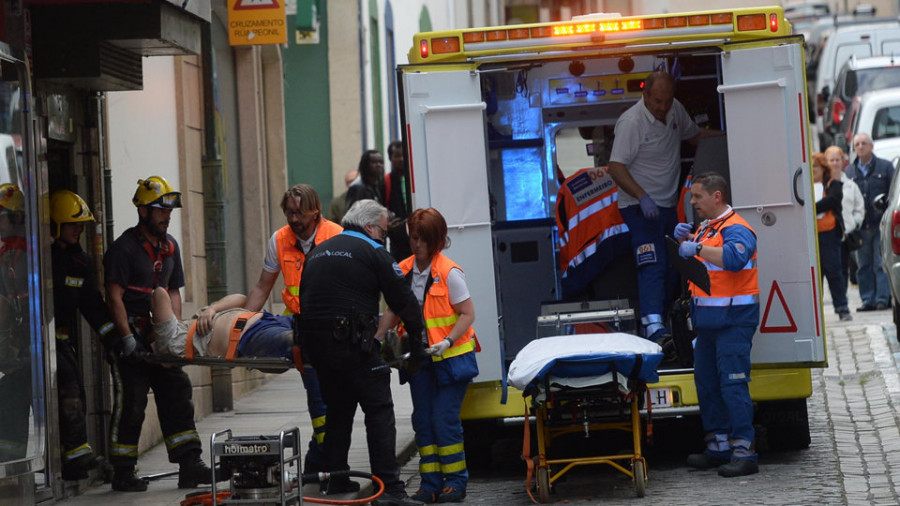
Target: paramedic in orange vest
x=725 y=320
x=439 y=386
x=286 y=253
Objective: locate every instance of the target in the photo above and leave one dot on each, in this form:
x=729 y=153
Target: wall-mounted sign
x=252 y=22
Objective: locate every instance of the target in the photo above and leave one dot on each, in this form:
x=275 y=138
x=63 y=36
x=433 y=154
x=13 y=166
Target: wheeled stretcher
x=581 y=384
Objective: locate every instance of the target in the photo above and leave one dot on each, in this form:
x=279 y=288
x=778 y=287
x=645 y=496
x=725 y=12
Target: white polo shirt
x=651 y=151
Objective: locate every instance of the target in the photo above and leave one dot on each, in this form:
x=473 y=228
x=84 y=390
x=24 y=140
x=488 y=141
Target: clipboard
x=690 y=268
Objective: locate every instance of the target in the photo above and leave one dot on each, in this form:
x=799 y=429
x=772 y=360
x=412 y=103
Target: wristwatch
x=699 y=247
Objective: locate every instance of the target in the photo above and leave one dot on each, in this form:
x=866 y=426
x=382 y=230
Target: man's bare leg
x=161 y=305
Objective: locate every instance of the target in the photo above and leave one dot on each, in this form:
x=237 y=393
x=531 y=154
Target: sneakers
x=845 y=316
x=450 y=494
x=704 y=461
x=737 y=468
x=865 y=307
x=124 y=480
x=192 y=471
x=425 y=497
x=339 y=486
x=881 y=306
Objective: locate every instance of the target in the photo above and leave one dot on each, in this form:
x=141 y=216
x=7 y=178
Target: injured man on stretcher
x=257 y=334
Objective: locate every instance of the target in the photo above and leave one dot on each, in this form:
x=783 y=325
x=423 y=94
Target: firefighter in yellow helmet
x=145 y=257
x=74 y=290
x=15 y=337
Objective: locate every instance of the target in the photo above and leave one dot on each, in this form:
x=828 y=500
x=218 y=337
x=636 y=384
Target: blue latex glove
x=648 y=207
x=687 y=249
x=682 y=230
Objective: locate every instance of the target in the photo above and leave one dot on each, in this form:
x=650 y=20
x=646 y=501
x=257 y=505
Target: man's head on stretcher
x=260 y=335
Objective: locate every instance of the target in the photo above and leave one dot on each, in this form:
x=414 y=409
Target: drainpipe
x=213 y=172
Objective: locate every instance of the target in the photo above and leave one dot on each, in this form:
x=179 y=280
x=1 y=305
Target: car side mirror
x=880 y=203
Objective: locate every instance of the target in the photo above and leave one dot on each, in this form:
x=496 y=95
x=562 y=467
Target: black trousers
x=348 y=380
x=15 y=394
x=172 y=390
x=70 y=394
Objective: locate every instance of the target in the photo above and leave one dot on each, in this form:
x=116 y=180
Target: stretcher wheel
x=640 y=477
x=543 y=484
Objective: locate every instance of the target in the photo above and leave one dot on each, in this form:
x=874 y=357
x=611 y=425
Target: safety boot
x=339 y=486
x=78 y=469
x=704 y=461
x=738 y=467
x=192 y=471
x=124 y=480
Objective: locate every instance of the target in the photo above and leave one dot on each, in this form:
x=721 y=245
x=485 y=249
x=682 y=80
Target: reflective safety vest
x=590 y=215
x=291 y=259
x=440 y=317
x=727 y=288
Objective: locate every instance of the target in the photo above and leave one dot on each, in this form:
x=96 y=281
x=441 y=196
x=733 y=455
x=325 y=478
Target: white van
x=863 y=41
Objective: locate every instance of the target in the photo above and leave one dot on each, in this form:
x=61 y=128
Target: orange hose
x=361 y=500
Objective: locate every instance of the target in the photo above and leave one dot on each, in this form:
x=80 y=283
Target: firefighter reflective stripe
x=738 y=300
x=61 y=335
x=751 y=264
x=429 y=467
x=318 y=424
x=453 y=467
x=106 y=328
x=428 y=462
x=80 y=451
x=446 y=321
x=425 y=451
x=74 y=282
x=452 y=458
x=294 y=290
x=176 y=440
x=120 y=450
x=585 y=214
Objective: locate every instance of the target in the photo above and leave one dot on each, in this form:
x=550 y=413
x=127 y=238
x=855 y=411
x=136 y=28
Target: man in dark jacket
x=873 y=176
x=343 y=279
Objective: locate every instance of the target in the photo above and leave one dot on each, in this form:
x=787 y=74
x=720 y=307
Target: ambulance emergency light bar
x=734 y=24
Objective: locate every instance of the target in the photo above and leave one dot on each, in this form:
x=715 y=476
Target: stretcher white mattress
x=588 y=360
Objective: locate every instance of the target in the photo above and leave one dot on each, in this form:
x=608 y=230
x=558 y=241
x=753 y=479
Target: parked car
x=876 y=113
x=857 y=76
x=863 y=41
x=890 y=245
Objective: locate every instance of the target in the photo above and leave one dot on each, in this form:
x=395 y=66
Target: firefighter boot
x=124 y=480
x=192 y=471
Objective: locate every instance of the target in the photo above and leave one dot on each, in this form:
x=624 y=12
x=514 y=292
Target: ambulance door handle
x=796 y=188
x=779 y=83
x=480 y=106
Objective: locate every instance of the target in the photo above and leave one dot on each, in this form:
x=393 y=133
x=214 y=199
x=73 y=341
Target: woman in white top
x=853 y=209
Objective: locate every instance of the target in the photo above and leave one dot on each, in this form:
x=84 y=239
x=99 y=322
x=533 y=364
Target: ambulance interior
x=546 y=121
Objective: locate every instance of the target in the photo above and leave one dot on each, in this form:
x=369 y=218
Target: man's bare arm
x=624 y=180
x=175 y=295
x=114 y=294
x=205 y=318
x=261 y=291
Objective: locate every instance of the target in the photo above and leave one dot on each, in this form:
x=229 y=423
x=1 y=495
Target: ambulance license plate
x=661 y=397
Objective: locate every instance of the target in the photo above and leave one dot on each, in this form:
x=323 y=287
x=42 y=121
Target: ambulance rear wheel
x=640 y=478
x=543 y=484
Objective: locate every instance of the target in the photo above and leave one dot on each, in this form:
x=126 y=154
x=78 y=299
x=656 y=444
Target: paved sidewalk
x=861 y=386
x=278 y=405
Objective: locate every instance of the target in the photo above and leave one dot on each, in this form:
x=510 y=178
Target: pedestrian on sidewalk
x=142 y=258
x=873 y=176
x=342 y=283
x=725 y=320
x=829 y=225
x=439 y=386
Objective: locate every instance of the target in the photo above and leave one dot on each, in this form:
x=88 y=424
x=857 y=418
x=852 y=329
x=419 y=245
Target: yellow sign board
x=253 y=22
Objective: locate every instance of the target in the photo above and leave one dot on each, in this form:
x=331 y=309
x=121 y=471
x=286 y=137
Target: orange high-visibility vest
x=590 y=200
x=828 y=221
x=291 y=259
x=728 y=288
x=440 y=317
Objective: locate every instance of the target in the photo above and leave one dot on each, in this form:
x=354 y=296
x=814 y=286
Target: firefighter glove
x=128 y=345
x=687 y=249
x=438 y=349
x=648 y=207
x=682 y=230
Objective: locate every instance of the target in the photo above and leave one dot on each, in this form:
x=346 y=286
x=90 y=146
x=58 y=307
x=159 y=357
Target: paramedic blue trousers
x=722 y=374
x=656 y=280
x=439 y=432
x=317 y=408
x=172 y=390
x=70 y=392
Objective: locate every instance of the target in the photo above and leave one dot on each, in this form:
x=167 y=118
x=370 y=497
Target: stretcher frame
x=268 y=364
x=630 y=421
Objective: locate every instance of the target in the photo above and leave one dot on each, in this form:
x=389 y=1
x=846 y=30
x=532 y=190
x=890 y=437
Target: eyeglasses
x=296 y=214
x=381 y=230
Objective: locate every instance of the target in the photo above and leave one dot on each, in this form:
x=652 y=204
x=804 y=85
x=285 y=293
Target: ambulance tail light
x=773 y=22
x=423 y=48
x=445 y=45
x=751 y=22
x=895 y=232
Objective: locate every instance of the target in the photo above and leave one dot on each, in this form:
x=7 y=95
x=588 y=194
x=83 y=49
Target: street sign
x=254 y=22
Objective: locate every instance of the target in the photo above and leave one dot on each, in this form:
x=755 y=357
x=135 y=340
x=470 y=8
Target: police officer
x=339 y=295
x=725 y=320
x=142 y=258
x=74 y=289
x=286 y=253
x=15 y=337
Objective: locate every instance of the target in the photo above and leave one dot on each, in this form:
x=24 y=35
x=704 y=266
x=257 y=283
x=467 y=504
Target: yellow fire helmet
x=11 y=199
x=155 y=191
x=67 y=207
